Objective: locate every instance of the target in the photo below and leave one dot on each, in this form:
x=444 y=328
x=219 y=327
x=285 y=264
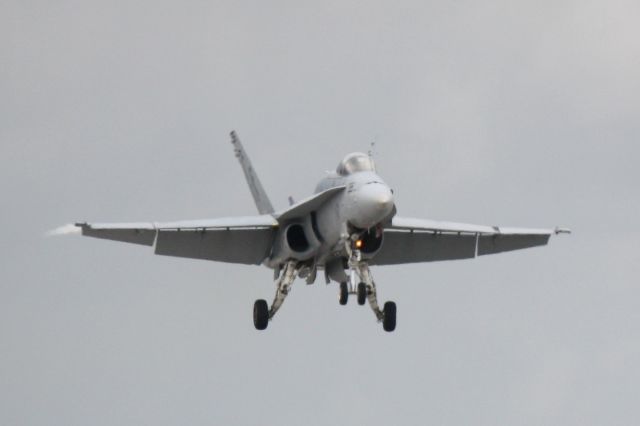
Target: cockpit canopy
x=356 y=162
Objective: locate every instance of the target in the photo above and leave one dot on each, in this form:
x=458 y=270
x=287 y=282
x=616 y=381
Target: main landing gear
x=261 y=312
x=366 y=290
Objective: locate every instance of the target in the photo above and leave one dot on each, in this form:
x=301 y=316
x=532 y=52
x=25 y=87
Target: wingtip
x=561 y=230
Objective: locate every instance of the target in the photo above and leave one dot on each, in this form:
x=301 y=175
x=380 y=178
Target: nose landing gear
x=343 y=297
x=366 y=290
x=362 y=293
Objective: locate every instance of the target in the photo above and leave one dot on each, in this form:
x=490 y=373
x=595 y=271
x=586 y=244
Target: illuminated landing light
x=359 y=244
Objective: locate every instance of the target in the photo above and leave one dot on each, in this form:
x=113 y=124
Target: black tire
x=260 y=314
x=389 y=320
x=362 y=293
x=343 y=297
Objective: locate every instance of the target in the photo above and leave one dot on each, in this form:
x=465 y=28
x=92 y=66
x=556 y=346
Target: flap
x=247 y=246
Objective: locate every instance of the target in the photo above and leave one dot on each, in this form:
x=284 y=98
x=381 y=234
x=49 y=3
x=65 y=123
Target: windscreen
x=356 y=162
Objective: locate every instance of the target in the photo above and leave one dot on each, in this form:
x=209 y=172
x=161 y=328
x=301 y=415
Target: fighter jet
x=347 y=226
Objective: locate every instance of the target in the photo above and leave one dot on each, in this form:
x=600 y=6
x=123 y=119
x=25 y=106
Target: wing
x=410 y=240
x=246 y=240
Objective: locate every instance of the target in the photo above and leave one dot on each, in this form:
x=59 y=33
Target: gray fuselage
x=322 y=237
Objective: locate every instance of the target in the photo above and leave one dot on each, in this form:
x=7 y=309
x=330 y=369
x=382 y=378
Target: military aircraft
x=347 y=226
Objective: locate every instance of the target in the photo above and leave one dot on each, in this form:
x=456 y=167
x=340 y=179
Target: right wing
x=410 y=240
x=246 y=240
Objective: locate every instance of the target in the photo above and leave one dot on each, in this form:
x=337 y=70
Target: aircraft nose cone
x=377 y=196
x=374 y=203
x=382 y=198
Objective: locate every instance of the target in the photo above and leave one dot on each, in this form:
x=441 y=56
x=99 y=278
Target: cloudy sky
x=512 y=113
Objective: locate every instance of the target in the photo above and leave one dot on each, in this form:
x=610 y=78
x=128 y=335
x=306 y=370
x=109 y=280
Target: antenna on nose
x=372 y=151
x=372 y=148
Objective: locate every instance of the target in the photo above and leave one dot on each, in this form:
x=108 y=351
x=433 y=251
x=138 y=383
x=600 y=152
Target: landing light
x=359 y=244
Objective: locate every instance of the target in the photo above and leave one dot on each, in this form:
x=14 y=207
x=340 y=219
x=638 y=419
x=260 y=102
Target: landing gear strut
x=366 y=290
x=361 y=284
x=261 y=312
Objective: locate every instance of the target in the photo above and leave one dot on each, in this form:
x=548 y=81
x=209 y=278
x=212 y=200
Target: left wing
x=410 y=240
x=246 y=240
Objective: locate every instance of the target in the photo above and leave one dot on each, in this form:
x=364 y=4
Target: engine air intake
x=296 y=238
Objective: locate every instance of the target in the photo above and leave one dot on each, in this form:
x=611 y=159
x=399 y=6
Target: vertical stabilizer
x=259 y=196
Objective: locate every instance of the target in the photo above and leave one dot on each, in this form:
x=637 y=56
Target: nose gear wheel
x=343 y=297
x=362 y=293
x=366 y=289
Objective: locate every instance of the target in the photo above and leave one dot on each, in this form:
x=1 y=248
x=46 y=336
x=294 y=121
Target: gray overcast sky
x=512 y=113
